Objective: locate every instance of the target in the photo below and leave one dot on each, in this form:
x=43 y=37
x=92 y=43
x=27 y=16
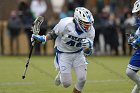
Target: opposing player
x=74 y=38
x=134 y=40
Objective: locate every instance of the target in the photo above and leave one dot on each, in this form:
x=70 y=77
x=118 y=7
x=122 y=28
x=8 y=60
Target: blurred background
x=113 y=19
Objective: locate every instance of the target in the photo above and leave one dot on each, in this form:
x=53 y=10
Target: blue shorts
x=135 y=60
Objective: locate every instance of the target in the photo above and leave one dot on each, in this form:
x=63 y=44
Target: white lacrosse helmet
x=136 y=6
x=83 y=18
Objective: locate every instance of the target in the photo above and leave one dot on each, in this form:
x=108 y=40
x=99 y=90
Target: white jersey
x=68 y=39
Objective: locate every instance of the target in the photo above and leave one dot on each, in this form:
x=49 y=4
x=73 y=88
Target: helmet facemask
x=85 y=25
x=83 y=18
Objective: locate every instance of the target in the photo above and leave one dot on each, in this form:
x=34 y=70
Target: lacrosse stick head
x=36 y=25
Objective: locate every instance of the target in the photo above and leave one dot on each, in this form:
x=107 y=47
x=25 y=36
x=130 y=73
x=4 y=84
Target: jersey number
x=73 y=43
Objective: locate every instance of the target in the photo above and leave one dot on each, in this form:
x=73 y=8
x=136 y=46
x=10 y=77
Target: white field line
x=104 y=81
x=15 y=83
x=29 y=83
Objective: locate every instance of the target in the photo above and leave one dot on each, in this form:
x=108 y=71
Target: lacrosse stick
x=35 y=29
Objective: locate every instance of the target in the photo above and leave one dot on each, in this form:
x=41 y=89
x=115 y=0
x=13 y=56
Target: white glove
x=87 y=43
x=131 y=38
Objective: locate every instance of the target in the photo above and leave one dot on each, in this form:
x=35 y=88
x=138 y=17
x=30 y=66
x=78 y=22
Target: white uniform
x=71 y=35
x=68 y=42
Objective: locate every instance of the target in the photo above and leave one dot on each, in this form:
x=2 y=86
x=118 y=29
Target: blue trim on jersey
x=138 y=22
x=79 y=32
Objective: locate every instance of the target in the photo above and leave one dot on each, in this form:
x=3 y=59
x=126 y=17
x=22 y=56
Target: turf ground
x=105 y=75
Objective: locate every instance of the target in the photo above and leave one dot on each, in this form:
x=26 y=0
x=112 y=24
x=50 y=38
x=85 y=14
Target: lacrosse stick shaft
x=35 y=28
x=28 y=60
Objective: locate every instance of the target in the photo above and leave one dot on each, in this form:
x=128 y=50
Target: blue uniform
x=135 y=59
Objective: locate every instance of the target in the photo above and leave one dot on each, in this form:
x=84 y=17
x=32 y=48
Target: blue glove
x=38 y=38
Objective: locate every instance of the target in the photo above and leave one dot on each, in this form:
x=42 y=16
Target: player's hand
x=88 y=51
x=136 y=43
x=132 y=38
x=38 y=38
x=87 y=43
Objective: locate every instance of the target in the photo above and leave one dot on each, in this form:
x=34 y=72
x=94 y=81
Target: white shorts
x=65 y=62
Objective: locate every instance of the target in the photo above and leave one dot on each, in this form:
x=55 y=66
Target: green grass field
x=105 y=75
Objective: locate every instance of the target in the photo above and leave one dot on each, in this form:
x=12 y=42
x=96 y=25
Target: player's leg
x=56 y=63
x=135 y=89
x=57 y=79
x=64 y=79
x=63 y=64
x=132 y=69
x=81 y=72
x=132 y=74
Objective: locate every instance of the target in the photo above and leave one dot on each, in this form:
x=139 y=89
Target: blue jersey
x=135 y=59
x=138 y=22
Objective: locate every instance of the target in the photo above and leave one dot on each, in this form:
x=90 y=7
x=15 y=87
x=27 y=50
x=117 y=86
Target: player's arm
x=136 y=43
x=44 y=38
x=134 y=39
x=87 y=43
x=57 y=30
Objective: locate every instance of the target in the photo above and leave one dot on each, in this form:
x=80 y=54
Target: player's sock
x=135 y=89
x=57 y=79
x=76 y=91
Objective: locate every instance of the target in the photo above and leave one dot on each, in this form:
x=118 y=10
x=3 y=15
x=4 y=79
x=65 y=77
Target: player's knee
x=82 y=79
x=129 y=72
x=80 y=83
x=66 y=84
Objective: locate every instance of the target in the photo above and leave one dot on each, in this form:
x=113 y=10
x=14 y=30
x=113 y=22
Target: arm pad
x=52 y=34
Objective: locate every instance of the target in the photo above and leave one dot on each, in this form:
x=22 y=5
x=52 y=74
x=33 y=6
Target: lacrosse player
x=134 y=40
x=73 y=41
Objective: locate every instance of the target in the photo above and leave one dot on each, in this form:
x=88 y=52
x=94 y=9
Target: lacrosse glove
x=87 y=45
x=132 y=38
x=136 y=43
x=38 y=38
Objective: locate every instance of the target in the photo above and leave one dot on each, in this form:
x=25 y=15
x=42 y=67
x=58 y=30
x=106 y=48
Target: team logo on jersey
x=75 y=38
x=63 y=68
